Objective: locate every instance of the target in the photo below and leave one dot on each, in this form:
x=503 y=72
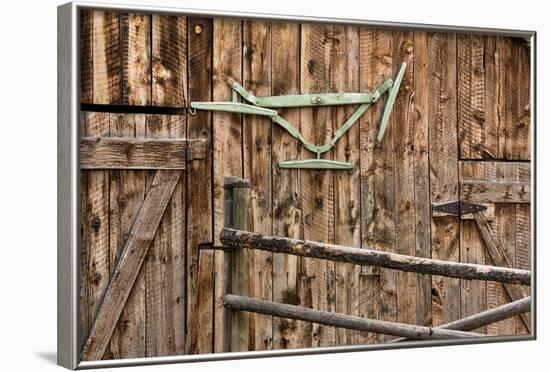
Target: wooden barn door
x=495 y=152
x=139 y=250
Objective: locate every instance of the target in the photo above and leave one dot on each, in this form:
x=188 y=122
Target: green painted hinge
x=264 y=106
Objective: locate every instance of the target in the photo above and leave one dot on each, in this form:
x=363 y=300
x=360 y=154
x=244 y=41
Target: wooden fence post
x=236 y=264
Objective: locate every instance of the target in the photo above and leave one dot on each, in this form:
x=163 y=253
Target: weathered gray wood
x=495 y=192
x=131 y=259
x=486 y=317
x=139 y=153
x=339 y=320
x=496 y=252
x=305 y=248
x=236 y=263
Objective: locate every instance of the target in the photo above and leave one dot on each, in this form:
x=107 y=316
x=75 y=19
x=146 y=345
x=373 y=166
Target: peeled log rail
x=486 y=317
x=361 y=256
x=340 y=320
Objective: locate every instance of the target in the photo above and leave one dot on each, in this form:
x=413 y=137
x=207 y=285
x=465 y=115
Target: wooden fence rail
x=485 y=317
x=305 y=248
x=242 y=303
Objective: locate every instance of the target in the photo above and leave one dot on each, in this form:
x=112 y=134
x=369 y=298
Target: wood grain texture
x=482 y=319
x=227 y=142
x=139 y=153
x=307 y=248
x=463 y=97
x=257 y=168
x=287 y=208
x=317 y=278
x=200 y=286
x=496 y=192
x=94 y=214
x=106 y=54
x=507 y=116
x=129 y=263
x=340 y=320
x=347 y=201
x=403 y=121
x=422 y=210
x=471 y=96
x=472 y=250
x=169 y=60
x=126 y=195
x=165 y=262
x=135 y=42
x=86 y=56
x=523 y=233
x=442 y=119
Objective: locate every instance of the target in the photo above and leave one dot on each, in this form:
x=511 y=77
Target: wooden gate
x=459 y=131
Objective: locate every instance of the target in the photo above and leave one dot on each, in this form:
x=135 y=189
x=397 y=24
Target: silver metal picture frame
x=68 y=173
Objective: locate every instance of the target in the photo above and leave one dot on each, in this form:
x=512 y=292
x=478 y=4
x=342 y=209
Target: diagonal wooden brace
x=130 y=262
x=499 y=258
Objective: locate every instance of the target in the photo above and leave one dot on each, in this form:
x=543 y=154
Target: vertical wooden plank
x=503 y=227
x=403 y=51
x=126 y=194
x=287 y=209
x=472 y=250
x=227 y=146
x=377 y=180
x=471 y=96
x=165 y=265
x=86 y=56
x=518 y=144
x=317 y=187
x=443 y=169
x=422 y=208
x=169 y=60
x=495 y=100
x=107 y=79
x=94 y=211
x=200 y=284
x=257 y=169
x=523 y=233
x=347 y=203
x=136 y=58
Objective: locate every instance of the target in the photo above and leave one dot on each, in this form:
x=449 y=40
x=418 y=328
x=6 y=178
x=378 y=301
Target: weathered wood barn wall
x=460 y=129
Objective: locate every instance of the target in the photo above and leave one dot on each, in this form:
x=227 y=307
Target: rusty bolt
x=198 y=29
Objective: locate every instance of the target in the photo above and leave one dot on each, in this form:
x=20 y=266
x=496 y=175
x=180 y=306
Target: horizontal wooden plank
x=365 y=256
x=340 y=320
x=495 y=192
x=139 y=153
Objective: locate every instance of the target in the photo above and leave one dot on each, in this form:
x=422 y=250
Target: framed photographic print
x=247 y=185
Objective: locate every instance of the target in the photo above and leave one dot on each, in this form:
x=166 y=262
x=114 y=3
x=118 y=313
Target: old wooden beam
x=499 y=258
x=340 y=320
x=236 y=264
x=363 y=256
x=139 y=153
x=486 y=317
x=495 y=192
x=130 y=262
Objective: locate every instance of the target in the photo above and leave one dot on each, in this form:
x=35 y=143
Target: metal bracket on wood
x=263 y=106
x=458 y=208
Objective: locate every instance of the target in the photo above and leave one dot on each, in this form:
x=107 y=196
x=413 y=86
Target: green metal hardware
x=315 y=164
x=389 y=104
x=262 y=106
x=241 y=108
